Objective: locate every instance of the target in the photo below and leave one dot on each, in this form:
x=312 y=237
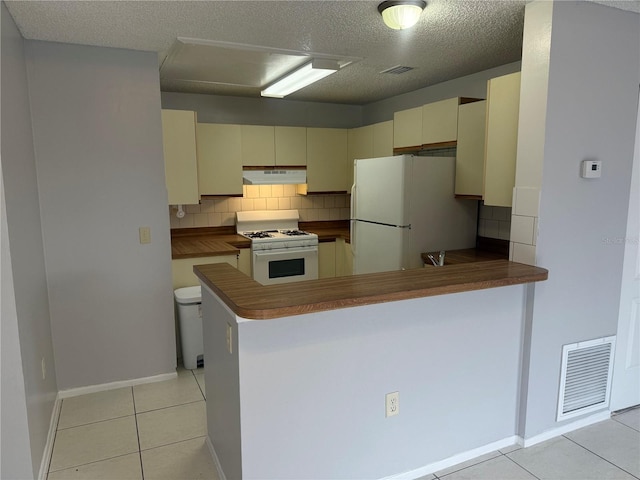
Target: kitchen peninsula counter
x=445 y=339
x=251 y=300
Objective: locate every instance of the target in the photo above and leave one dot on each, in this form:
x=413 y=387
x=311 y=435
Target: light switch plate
x=145 y=235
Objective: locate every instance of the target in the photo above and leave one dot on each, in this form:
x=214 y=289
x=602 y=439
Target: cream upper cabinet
x=370 y=141
x=407 y=128
x=360 y=145
x=470 y=149
x=258 y=145
x=440 y=121
x=219 y=159
x=382 y=139
x=180 y=156
x=291 y=146
x=503 y=106
x=327 y=154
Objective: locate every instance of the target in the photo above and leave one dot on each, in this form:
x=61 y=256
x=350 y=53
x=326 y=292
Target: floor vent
x=397 y=70
x=586 y=377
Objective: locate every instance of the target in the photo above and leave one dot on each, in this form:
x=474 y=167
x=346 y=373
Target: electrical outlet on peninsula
x=392 y=403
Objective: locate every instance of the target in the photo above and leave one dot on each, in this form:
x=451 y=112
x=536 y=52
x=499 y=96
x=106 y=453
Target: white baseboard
x=51 y=436
x=74 y=392
x=524 y=442
x=454 y=460
x=216 y=460
x=569 y=427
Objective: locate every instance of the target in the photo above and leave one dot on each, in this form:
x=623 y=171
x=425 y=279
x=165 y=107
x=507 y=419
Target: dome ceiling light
x=401 y=14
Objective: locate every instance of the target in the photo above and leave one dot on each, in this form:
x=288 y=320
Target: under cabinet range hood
x=274 y=176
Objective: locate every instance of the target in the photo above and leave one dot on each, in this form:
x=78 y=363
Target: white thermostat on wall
x=591 y=168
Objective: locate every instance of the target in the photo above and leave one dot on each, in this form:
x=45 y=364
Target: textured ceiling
x=453 y=38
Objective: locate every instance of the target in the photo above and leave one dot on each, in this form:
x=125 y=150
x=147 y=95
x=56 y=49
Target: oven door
x=285 y=265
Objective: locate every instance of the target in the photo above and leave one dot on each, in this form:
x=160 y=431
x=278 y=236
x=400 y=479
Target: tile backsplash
x=217 y=212
x=494 y=222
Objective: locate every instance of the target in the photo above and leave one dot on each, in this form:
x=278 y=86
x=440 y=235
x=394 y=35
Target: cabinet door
x=327 y=160
x=360 y=145
x=244 y=261
x=180 y=159
x=258 y=145
x=407 y=128
x=344 y=258
x=219 y=159
x=291 y=146
x=440 y=121
x=326 y=259
x=382 y=139
x=503 y=107
x=470 y=150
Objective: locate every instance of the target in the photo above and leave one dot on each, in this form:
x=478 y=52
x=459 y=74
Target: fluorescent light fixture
x=401 y=14
x=300 y=78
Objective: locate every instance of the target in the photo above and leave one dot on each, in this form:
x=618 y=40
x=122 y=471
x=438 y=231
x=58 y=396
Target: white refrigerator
x=403 y=206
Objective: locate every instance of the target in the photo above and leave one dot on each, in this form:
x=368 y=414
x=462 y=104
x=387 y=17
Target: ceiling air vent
x=397 y=70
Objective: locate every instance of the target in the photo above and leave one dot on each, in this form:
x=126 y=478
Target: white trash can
x=189 y=302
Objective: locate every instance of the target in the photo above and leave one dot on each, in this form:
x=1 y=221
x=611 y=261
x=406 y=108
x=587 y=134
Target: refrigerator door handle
x=352 y=233
x=408 y=227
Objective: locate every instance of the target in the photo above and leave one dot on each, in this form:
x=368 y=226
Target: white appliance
x=403 y=206
x=274 y=176
x=280 y=253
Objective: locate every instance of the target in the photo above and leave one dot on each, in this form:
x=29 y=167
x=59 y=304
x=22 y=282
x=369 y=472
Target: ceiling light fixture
x=300 y=78
x=401 y=14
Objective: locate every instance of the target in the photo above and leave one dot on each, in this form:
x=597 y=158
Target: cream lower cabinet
x=327 y=153
x=182 y=268
x=244 y=261
x=219 y=159
x=180 y=156
x=470 y=149
x=326 y=259
x=344 y=258
x=501 y=140
x=335 y=259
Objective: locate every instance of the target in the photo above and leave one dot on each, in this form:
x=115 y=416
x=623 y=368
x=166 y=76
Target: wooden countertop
x=216 y=241
x=249 y=299
x=467 y=255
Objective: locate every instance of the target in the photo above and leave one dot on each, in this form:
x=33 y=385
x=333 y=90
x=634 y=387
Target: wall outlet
x=392 y=403
x=44 y=368
x=145 y=234
x=229 y=338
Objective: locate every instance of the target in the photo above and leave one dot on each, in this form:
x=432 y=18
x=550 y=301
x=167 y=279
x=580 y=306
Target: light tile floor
x=151 y=431
x=157 y=431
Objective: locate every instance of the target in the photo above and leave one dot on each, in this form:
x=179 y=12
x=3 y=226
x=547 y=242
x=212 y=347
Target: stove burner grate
x=293 y=233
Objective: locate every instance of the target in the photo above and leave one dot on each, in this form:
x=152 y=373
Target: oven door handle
x=288 y=251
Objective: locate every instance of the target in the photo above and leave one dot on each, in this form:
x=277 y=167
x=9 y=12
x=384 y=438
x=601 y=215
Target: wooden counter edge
x=242 y=294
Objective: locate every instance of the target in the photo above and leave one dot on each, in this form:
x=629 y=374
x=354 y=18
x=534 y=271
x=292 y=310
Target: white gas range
x=280 y=253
